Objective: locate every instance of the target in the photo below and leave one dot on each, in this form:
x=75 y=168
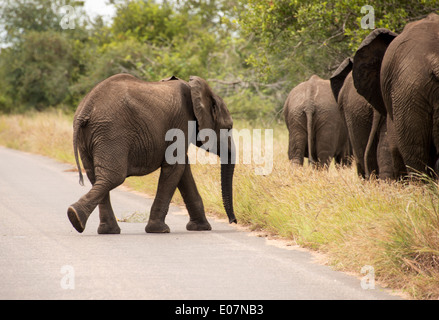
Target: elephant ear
x=210 y=110
x=367 y=66
x=203 y=103
x=338 y=77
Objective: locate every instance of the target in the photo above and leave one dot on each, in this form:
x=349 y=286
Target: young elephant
x=120 y=129
x=315 y=126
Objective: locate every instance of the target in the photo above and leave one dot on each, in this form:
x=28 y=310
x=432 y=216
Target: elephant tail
x=76 y=126
x=370 y=154
x=310 y=136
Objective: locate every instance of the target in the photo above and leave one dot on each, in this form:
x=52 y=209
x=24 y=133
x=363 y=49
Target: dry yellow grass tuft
x=393 y=227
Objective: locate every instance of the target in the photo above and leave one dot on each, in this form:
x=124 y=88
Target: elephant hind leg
x=77 y=218
x=325 y=154
x=414 y=137
x=79 y=212
x=108 y=223
x=297 y=145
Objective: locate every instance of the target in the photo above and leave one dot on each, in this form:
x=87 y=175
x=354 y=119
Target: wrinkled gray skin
x=316 y=129
x=366 y=127
x=399 y=76
x=119 y=130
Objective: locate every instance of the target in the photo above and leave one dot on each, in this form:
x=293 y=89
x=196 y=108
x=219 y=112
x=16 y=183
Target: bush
x=37 y=70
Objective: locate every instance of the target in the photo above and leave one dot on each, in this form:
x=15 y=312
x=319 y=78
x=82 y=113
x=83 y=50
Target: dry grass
x=393 y=227
x=48 y=133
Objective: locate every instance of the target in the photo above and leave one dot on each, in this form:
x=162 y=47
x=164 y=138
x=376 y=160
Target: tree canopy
x=296 y=38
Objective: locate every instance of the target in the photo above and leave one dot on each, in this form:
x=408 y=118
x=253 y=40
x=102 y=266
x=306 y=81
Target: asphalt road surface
x=43 y=257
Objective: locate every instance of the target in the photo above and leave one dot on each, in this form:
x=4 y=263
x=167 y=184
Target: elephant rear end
x=410 y=89
x=315 y=126
x=297 y=121
x=118 y=122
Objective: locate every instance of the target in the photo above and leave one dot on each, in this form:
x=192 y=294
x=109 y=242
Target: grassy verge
x=392 y=227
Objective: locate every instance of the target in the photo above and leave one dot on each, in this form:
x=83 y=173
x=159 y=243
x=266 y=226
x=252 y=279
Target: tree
x=22 y=16
x=176 y=39
x=38 y=69
x=46 y=65
x=298 y=38
x=39 y=60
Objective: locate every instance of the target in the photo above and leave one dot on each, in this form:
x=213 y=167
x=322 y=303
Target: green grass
x=391 y=226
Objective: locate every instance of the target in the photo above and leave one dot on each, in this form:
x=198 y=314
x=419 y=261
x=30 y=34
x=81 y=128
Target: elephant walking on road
x=316 y=129
x=120 y=130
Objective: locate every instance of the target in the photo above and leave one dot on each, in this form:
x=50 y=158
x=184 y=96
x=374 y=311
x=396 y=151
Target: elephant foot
x=105 y=228
x=77 y=218
x=296 y=163
x=198 y=226
x=157 y=227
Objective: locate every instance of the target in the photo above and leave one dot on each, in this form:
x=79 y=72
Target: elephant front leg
x=193 y=201
x=156 y=222
x=168 y=181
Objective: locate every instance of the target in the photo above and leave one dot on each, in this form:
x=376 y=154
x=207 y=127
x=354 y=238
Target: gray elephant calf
x=316 y=129
x=120 y=129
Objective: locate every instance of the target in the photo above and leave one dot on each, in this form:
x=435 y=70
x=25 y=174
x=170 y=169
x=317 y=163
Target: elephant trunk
x=227 y=169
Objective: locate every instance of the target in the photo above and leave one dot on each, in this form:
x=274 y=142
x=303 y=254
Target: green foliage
x=251 y=51
x=153 y=41
x=298 y=38
x=40 y=66
x=247 y=105
x=39 y=60
x=149 y=22
x=44 y=65
x=22 y=16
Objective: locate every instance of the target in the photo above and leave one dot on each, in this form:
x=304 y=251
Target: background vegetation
x=252 y=52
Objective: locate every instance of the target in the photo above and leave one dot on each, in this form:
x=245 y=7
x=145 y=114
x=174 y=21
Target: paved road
x=43 y=257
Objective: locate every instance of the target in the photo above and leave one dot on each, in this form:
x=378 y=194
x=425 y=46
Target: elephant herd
x=383 y=108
